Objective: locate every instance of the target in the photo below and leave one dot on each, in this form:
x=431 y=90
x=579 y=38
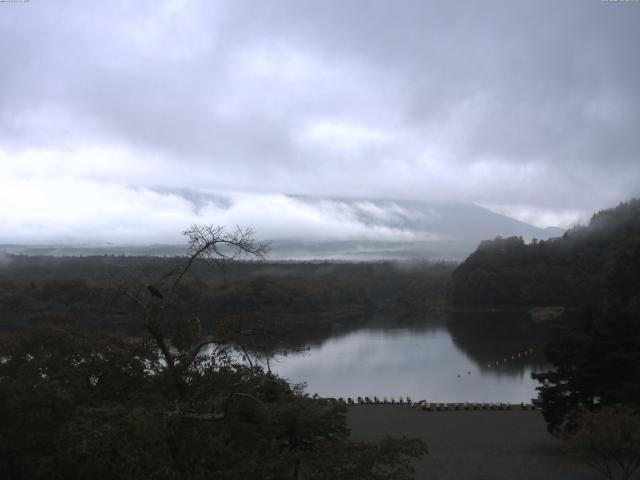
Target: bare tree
x=208 y=244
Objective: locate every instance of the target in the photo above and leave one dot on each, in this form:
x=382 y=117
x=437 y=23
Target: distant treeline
x=571 y=270
x=293 y=294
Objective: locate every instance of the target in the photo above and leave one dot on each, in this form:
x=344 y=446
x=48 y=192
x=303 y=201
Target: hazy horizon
x=125 y=122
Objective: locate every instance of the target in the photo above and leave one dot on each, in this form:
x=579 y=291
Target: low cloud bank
x=74 y=211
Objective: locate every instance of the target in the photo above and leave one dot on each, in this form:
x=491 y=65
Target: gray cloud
x=531 y=108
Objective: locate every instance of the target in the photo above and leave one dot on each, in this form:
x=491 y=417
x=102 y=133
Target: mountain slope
x=570 y=270
x=336 y=228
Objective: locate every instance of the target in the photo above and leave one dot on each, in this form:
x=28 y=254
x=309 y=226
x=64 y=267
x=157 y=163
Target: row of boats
x=429 y=406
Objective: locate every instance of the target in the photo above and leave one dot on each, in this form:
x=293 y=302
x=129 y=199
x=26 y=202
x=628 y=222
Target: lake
x=452 y=358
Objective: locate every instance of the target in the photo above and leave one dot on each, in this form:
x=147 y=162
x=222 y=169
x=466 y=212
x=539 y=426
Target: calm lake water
x=470 y=358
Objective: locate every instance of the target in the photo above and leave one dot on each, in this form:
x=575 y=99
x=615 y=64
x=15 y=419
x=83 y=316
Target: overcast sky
x=118 y=118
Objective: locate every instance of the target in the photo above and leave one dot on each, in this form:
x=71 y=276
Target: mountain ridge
x=411 y=230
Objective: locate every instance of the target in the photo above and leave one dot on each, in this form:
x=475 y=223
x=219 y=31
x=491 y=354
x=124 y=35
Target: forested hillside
x=295 y=296
x=570 y=270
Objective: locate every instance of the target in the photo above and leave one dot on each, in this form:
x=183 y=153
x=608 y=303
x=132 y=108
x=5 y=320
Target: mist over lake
x=235 y=233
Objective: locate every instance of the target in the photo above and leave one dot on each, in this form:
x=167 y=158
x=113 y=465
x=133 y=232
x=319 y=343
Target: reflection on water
x=441 y=360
